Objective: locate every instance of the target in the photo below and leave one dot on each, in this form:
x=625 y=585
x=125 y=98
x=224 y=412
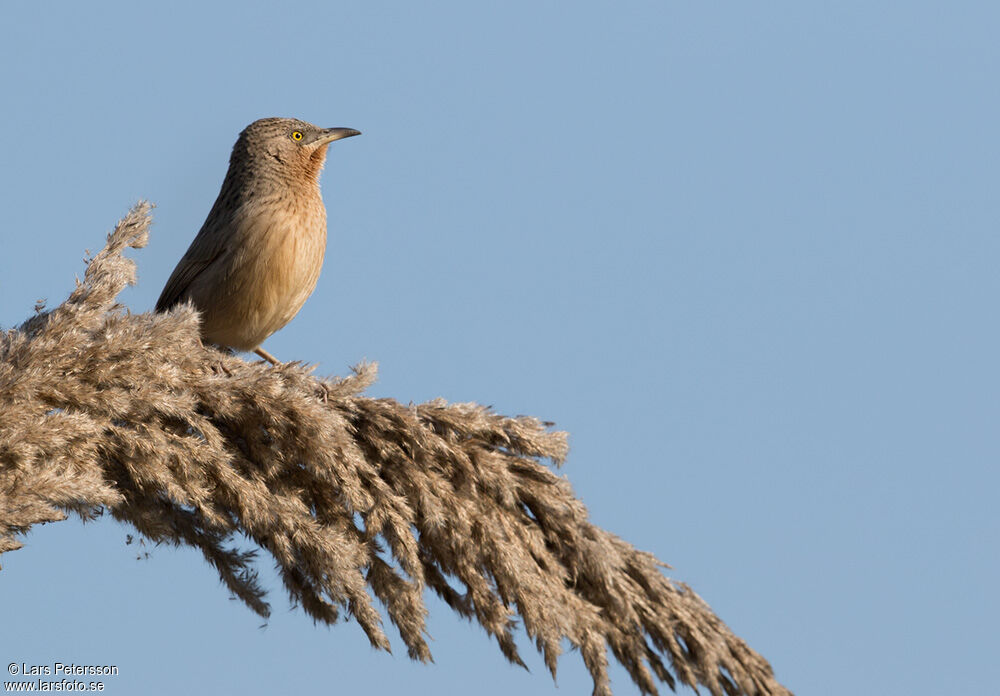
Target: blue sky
x=745 y=253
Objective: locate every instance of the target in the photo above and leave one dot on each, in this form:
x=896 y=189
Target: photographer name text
x=61 y=668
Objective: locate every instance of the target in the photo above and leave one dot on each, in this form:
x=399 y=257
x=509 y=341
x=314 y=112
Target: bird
x=258 y=255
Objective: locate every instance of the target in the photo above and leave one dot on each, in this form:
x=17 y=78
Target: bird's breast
x=276 y=260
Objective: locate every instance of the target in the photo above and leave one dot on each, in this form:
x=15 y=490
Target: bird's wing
x=211 y=242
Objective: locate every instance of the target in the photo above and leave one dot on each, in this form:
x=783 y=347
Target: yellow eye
x=296 y=135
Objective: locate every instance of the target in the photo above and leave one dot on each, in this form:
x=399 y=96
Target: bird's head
x=284 y=148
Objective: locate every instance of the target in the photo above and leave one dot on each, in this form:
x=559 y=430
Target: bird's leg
x=267 y=356
x=325 y=398
x=325 y=391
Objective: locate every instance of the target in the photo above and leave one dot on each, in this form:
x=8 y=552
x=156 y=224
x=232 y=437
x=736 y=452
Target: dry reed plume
x=354 y=497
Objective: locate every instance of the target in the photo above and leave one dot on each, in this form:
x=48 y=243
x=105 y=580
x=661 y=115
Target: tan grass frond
x=357 y=499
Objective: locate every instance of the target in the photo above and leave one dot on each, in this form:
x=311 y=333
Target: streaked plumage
x=259 y=253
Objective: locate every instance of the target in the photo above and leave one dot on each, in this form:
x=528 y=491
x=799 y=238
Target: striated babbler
x=259 y=253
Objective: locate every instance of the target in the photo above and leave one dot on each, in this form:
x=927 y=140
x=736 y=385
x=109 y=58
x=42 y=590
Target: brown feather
x=258 y=256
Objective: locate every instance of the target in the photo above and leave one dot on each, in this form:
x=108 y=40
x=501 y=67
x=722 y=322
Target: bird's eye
x=296 y=135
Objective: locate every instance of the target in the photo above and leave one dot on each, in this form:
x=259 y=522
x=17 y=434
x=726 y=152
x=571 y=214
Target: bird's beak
x=328 y=135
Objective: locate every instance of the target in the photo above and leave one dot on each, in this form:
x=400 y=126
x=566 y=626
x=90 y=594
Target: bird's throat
x=316 y=161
